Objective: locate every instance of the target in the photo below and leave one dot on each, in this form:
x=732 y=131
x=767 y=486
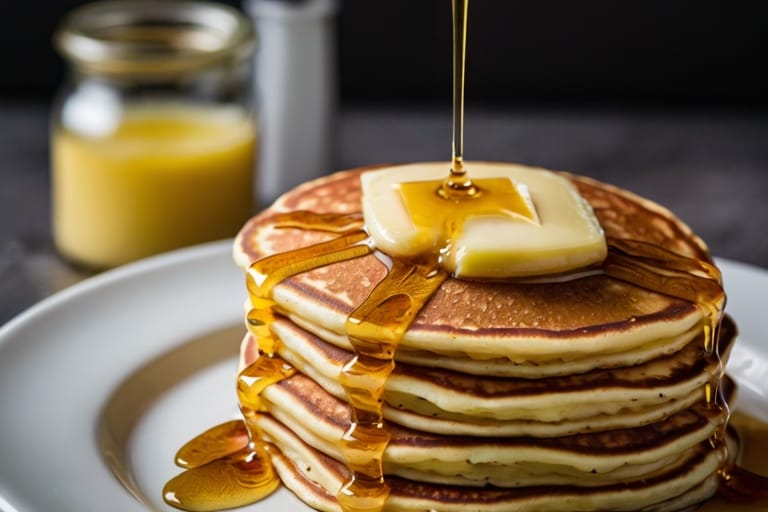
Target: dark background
x=612 y=52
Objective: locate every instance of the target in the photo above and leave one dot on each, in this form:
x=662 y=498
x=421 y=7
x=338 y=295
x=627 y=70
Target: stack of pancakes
x=573 y=394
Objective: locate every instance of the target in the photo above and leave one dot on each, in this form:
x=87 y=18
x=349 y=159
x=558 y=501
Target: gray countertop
x=708 y=166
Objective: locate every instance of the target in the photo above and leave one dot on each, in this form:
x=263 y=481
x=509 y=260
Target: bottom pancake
x=315 y=478
x=669 y=465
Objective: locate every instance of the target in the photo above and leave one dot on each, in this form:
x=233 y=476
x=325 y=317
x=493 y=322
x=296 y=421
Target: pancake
x=525 y=323
x=578 y=391
x=321 y=420
x=450 y=402
x=504 y=367
x=316 y=478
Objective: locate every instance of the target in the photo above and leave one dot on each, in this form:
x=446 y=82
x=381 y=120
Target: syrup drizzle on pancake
x=377 y=325
x=230 y=469
x=375 y=329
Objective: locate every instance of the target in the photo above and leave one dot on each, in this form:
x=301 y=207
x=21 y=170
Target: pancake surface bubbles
x=575 y=394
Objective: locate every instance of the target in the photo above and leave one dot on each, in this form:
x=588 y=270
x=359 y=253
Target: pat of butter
x=549 y=228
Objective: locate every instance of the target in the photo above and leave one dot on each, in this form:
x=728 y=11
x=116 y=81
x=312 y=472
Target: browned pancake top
x=590 y=305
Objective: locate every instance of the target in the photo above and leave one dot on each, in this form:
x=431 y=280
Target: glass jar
x=153 y=135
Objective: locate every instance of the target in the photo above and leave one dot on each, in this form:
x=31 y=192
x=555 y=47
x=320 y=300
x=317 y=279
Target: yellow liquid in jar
x=167 y=176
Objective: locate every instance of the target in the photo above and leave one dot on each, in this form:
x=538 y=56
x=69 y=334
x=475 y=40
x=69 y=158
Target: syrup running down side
x=245 y=474
x=229 y=466
x=375 y=329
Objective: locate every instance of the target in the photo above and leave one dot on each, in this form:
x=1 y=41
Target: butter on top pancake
x=479 y=321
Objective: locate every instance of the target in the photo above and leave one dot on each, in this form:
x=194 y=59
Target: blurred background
x=669 y=99
x=656 y=52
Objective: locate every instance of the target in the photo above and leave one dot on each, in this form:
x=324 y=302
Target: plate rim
x=112 y=276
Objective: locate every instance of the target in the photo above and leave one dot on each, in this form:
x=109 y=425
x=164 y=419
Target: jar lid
x=153 y=37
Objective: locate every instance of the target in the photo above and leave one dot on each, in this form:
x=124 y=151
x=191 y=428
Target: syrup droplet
x=215 y=443
x=256 y=377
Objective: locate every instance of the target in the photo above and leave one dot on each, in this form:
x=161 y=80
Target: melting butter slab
x=548 y=228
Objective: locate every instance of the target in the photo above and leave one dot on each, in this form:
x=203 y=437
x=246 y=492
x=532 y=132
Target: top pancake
x=525 y=323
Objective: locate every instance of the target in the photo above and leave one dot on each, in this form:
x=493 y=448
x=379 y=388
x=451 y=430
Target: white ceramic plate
x=109 y=377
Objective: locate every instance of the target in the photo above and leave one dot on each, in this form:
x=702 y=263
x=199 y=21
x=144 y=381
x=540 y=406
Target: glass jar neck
x=154 y=39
